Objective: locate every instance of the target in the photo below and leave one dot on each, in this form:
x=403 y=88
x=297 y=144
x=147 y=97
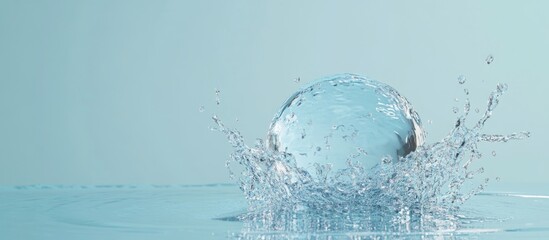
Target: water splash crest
x=421 y=191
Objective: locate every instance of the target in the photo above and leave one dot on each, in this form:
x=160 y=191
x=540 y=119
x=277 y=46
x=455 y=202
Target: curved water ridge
x=420 y=191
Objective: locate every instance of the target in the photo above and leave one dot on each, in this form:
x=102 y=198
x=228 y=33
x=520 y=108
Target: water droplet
x=386 y=159
x=297 y=80
x=455 y=109
x=467 y=106
x=201 y=109
x=498 y=179
x=466 y=91
x=469 y=175
x=494 y=153
x=462 y=79
x=362 y=151
x=477 y=110
x=456 y=100
x=430 y=121
x=489 y=59
x=502 y=87
x=217 y=98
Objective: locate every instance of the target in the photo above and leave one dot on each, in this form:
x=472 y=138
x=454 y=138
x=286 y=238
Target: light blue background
x=95 y=92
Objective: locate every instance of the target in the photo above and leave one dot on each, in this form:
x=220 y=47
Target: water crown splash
x=322 y=157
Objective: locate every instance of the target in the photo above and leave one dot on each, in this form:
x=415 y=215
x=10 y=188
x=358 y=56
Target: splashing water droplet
x=494 y=153
x=455 y=109
x=217 y=97
x=462 y=79
x=362 y=151
x=201 y=109
x=297 y=80
x=345 y=110
x=489 y=59
x=386 y=159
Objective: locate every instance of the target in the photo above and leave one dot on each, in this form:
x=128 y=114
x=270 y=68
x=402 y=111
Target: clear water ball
x=345 y=117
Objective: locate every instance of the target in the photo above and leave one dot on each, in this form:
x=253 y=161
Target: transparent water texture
x=345 y=117
x=422 y=196
x=418 y=192
x=215 y=212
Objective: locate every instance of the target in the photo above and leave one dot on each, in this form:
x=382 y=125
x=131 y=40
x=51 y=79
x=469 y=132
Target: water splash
x=489 y=59
x=421 y=191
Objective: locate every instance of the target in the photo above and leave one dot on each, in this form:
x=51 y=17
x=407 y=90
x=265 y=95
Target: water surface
x=211 y=212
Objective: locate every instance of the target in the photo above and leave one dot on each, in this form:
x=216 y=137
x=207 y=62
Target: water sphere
x=345 y=117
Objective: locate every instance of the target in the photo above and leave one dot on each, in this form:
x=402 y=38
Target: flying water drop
x=489 y=59
x=217 y=97
x=462 y=79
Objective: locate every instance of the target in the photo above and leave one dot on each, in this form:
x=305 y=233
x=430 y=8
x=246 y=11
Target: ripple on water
x=197 y=212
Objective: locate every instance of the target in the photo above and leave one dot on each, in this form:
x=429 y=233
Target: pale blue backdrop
x=108 y=92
